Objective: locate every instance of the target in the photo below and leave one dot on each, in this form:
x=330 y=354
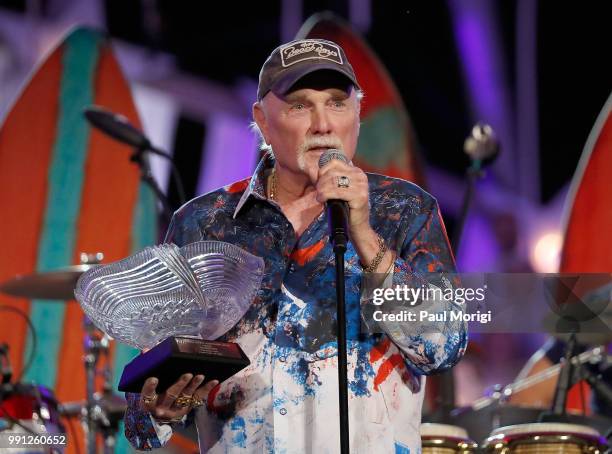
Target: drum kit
x=492 y=425
x=33 y=409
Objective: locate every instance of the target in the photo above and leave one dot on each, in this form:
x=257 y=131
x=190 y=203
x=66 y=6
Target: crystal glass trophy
x=174 y=302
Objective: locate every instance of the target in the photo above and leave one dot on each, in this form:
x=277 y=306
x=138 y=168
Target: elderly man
x=287 y=399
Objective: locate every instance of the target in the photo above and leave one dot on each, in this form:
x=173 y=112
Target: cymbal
x=55 y=285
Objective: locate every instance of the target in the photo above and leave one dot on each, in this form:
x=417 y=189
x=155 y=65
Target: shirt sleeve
x=424 y=260
x=141 y=430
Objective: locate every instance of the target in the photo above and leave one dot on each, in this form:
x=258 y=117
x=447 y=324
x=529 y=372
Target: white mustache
x=320 y=142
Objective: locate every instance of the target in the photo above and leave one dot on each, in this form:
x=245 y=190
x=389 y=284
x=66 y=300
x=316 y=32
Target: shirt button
x=283 y=411
x=292 y=268
x=282 y=359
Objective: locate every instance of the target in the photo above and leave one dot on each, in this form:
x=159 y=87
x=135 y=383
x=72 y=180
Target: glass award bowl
x=201 y=289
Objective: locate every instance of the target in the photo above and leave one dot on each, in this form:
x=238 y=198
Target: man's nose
x=320 y=123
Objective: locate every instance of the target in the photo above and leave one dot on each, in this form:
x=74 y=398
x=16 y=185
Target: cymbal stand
x=94 y=416
x=108 y=425
x=593 y=355
x=95 y=345
x=565 y=378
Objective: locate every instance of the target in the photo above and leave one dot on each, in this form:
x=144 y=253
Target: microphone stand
x=342 y=360
x=482 y=148
x=146 y=176
x=178 y=181
x=339 y=239
x=446 y=380
x=118 y=127
x=472 y=174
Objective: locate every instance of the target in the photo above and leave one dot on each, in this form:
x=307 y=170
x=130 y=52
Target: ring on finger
x=343 y=181
x=183 y=401
x=196 y=402
x=169 y=421
x=148 y=399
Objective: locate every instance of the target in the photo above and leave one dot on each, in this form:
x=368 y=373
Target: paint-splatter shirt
x=286 y=401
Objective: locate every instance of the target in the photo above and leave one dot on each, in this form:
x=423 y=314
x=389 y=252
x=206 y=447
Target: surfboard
x=66 y=189
x=387 y=142
x=588 y=216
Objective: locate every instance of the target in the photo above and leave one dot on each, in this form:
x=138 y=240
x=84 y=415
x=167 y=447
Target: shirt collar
x=257 y=185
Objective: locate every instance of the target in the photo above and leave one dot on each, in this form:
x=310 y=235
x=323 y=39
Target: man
x=287 y=399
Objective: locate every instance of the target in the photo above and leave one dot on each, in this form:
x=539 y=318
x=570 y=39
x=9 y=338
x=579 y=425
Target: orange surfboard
x=588 y=224
x=588 y=218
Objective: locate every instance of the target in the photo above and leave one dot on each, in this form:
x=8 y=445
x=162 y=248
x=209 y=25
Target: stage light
x=545 y=254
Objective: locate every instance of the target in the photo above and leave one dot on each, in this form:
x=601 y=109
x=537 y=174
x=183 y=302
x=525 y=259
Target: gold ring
x=183 y=401
x=344 y=182
x=196 y=402
x=148 y=399
x=169 y=421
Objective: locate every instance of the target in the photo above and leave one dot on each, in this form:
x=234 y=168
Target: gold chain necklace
x=273 y=185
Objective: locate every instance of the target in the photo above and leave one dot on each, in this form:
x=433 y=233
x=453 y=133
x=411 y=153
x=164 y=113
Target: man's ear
x=260 y=119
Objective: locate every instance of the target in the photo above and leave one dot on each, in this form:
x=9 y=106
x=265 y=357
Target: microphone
x=116 y=126
x=482 y=144
x=337 y=210
x=119 y=128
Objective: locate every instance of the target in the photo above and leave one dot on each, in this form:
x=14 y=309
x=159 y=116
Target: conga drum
x=545 y=438
x=446 y=439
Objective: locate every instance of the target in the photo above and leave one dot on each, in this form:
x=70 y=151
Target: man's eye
x=298 y=106
x=338 y=104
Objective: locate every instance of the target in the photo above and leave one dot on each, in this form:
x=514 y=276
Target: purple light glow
x=481 y=57
x=230 y=155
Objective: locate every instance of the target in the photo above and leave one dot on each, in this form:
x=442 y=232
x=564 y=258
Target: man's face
x=305 y=123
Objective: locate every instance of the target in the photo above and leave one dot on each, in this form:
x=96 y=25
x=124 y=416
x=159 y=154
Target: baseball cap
x=290 y=62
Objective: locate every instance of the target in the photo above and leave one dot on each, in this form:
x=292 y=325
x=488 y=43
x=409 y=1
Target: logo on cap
x=307 y=50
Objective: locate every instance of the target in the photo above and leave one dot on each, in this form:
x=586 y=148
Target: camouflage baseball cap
x=292 y=61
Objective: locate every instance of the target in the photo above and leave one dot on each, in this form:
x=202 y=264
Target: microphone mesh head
x=330 y=154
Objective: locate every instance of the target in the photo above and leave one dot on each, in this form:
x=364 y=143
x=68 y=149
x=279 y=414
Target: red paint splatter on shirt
x=379 y=350
x=238 y=186
x=305 y=255
x=387 y=367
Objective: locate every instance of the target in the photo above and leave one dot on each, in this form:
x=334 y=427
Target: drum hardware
x=492 y=411
x=48 y=285
x=501 y=394
x=94 y=416
x=572 y=372
x=540 y=438
x=100 y=413
x=564 y=382
x=8 y=390
x=446 y=439
x=29 y=409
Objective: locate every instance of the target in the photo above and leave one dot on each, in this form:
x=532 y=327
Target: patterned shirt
x=286 y=401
